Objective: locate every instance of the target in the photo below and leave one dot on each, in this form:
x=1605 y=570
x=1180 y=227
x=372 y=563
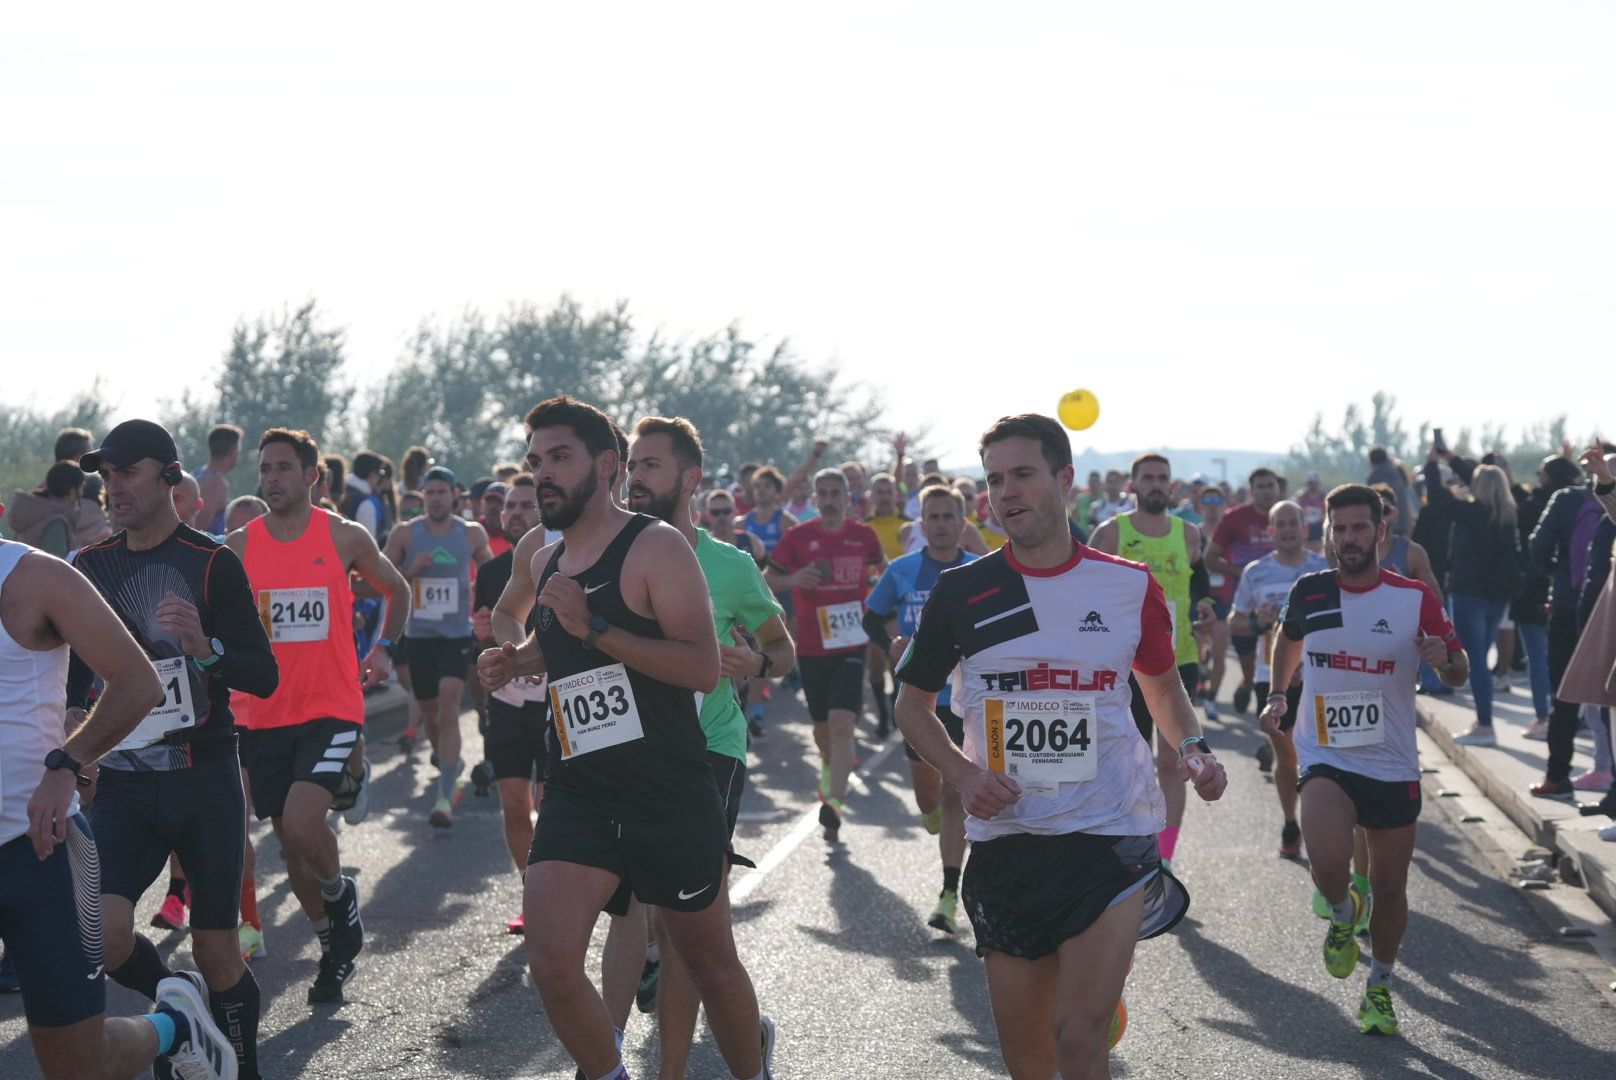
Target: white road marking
x=805 y=825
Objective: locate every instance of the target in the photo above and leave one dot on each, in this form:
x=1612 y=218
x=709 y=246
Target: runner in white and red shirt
x=1359 y=632
x=826 y=563
x=1060 y=791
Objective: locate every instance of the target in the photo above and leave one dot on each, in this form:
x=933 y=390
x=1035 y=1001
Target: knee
x=554 y=965
x=1390 y=893
x=1082 y=1038
x=841 y=723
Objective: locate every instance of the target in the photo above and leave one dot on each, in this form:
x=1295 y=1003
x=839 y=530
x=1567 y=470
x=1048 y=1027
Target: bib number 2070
x=1349 y=719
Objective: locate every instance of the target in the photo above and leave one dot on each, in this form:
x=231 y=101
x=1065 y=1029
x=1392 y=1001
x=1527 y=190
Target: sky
x=1219 y=218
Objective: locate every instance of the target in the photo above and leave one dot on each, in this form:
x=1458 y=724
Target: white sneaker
x=1478 y=736
x=766 y=1032
x=206 y=1055
x=1502 y=684
x=1211 y=709
x=1608 y=832
x=361 y=807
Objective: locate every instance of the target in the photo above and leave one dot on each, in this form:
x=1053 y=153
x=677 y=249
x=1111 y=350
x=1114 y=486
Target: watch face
x=217 y=646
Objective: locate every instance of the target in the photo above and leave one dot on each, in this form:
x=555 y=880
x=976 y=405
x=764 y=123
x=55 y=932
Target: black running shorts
x=315 y=751
x=50 y=922
x=433 y=659
x=1293 y=703
x=1027 y=894
x=1244 y=644
x=832 y=682
x=514 y=742
x=671 y=862
x=197 y=813
x=1188 y=674
x=1381 y=804
x=730 y=775
x=954 y=724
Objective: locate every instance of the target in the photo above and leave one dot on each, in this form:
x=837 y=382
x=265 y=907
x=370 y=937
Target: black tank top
x=662 y=773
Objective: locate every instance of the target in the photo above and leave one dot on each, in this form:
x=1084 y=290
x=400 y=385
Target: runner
x=889 y=521
x=717 y=509
x=304 y=746
x=1258 y=599
x=187 y=498
x=519 y=711
x=174 y=784
x=1311 y=500
x=242 y=509
x=1064 y=874
x=435 y=553
x=768 y=520
x=631 y=808
x=1363 y=632
x=1241 y=537
x=894 y=609
x=50 y=917
x=213 y=479
x=1170 y=547
x=825 y=563
x=664 y=472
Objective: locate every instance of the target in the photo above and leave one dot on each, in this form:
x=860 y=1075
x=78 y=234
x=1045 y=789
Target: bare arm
x=215 y=493
x=477 y=537
x=1216 y=563
x=1192 y=541
x=1419 y=567
x=364 y=558
x=1164 y=695
x=1105 y=537
x=806 y=470
x=971 y=540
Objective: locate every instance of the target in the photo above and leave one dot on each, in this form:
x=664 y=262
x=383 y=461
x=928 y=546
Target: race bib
x=1041 y=742
x=593 y=710
x=295 y=614
x=1349 y=718
x=176 y=711
x=522 y=690
x=1214 y=580
x=841 y=626
x=436 y=598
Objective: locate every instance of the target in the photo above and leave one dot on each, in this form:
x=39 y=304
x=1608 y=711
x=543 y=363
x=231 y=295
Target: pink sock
x=1167 y=841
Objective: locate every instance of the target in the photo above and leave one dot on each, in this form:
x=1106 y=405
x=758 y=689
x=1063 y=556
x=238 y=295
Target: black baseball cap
x=128 y=443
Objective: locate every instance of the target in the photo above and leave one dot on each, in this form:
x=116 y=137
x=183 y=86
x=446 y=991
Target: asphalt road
x=837 y=946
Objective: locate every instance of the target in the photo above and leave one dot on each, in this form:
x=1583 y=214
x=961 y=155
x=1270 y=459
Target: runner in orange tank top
x=304 y=745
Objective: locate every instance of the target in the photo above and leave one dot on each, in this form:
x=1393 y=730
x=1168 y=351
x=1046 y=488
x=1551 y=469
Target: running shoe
x=1242 y=697
x=1321 y=906
x=932 y=820
x=200 y=1051
x=1290 y=841
x=1477 y=736
x=824 y=781
x=1265 y=757
x=347 y=927
x=1608 y=832
x=1503 y=684
x=171 y=916
x=645 y=996
x=580 y=1073
x=517 y=925
x=1211 y=709
x=8 y=975
x=442 y=813
x=1340 y=947
x=482 y=779
x=1361 y=927
x=831 y=820
x=1375 y=1013
x=252 y=942
x=1119 y=1022
x=942 y=917
x=1594 y=780
x=358 y=804
x=766 y=1036
x=754 y=719
x=406 y=741
x=329 y=980
x=1552 y=789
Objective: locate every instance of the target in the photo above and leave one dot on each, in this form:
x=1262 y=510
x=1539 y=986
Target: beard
x=1354 y=561
x=1154 y=502
x=572 y=503
x=662 y=507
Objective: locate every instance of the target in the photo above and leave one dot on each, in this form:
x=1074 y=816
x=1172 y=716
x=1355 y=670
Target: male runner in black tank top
x=625 y=635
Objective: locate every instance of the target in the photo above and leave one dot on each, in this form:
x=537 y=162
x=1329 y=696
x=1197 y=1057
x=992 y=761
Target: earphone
x=173 y=474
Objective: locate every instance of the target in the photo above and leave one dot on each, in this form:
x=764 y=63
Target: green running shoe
x=1340 y=947
x=1362 y=925
x=943 y=917
x=1321 y=906
x=824 y=781
x=932 y=821
x=1375 y=1013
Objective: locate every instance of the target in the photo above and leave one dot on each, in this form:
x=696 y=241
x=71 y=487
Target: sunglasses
x=1211 y=500
x=720 y=511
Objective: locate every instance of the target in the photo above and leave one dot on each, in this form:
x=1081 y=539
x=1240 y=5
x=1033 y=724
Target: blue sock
x=448 y=773
x=163 y=1021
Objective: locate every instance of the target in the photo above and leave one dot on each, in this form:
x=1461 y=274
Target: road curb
x=1597 y=867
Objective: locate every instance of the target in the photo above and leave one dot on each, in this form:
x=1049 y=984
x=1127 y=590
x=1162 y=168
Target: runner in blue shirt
x=896 y=603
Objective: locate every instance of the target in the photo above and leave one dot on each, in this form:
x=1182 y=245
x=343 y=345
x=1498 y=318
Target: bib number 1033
x=593 y=710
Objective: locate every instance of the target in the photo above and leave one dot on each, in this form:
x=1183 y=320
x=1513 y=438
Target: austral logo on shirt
x=1381 y=627
x=1093 y=624
x=1044 y=677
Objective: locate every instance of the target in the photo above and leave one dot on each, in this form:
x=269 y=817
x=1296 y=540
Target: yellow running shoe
x=932 y=820
x=252 y=942
x=1375 y=1014
x=1340 y=946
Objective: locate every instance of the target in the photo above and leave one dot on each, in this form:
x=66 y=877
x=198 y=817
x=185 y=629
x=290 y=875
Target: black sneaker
x=831 y=820
x=482 y=779
x=1242 y=697
x=347 y=928
x=645 y=996
x=328 y=982
x=1290 y=841
x=1265 y=756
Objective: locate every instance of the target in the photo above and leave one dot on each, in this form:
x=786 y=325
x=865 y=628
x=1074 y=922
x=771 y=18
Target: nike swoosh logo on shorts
x=691 y=896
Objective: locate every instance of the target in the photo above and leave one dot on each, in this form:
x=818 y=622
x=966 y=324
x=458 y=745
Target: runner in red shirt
x=1242 y=537
x=826 y=565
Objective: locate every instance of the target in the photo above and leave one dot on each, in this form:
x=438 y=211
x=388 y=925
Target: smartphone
x=1438 y=443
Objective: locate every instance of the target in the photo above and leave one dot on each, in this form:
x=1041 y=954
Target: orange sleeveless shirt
x=306 y=605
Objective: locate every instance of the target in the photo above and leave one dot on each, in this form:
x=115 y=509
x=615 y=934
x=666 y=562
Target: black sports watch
x=597 y=626
x=59 y=759
x=765 y=667
x=1196 y=741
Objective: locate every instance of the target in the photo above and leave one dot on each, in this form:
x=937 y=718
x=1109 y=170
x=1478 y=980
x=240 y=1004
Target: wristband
x=1194 y=740
x=765 y=667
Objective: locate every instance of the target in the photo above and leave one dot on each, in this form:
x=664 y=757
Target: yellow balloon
x=1079 y=409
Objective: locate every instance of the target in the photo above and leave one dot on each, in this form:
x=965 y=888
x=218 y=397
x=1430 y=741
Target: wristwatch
x=597 y=626
x=213 y=658
x=59 y=759
x=765 y=667
x=1196 y=741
